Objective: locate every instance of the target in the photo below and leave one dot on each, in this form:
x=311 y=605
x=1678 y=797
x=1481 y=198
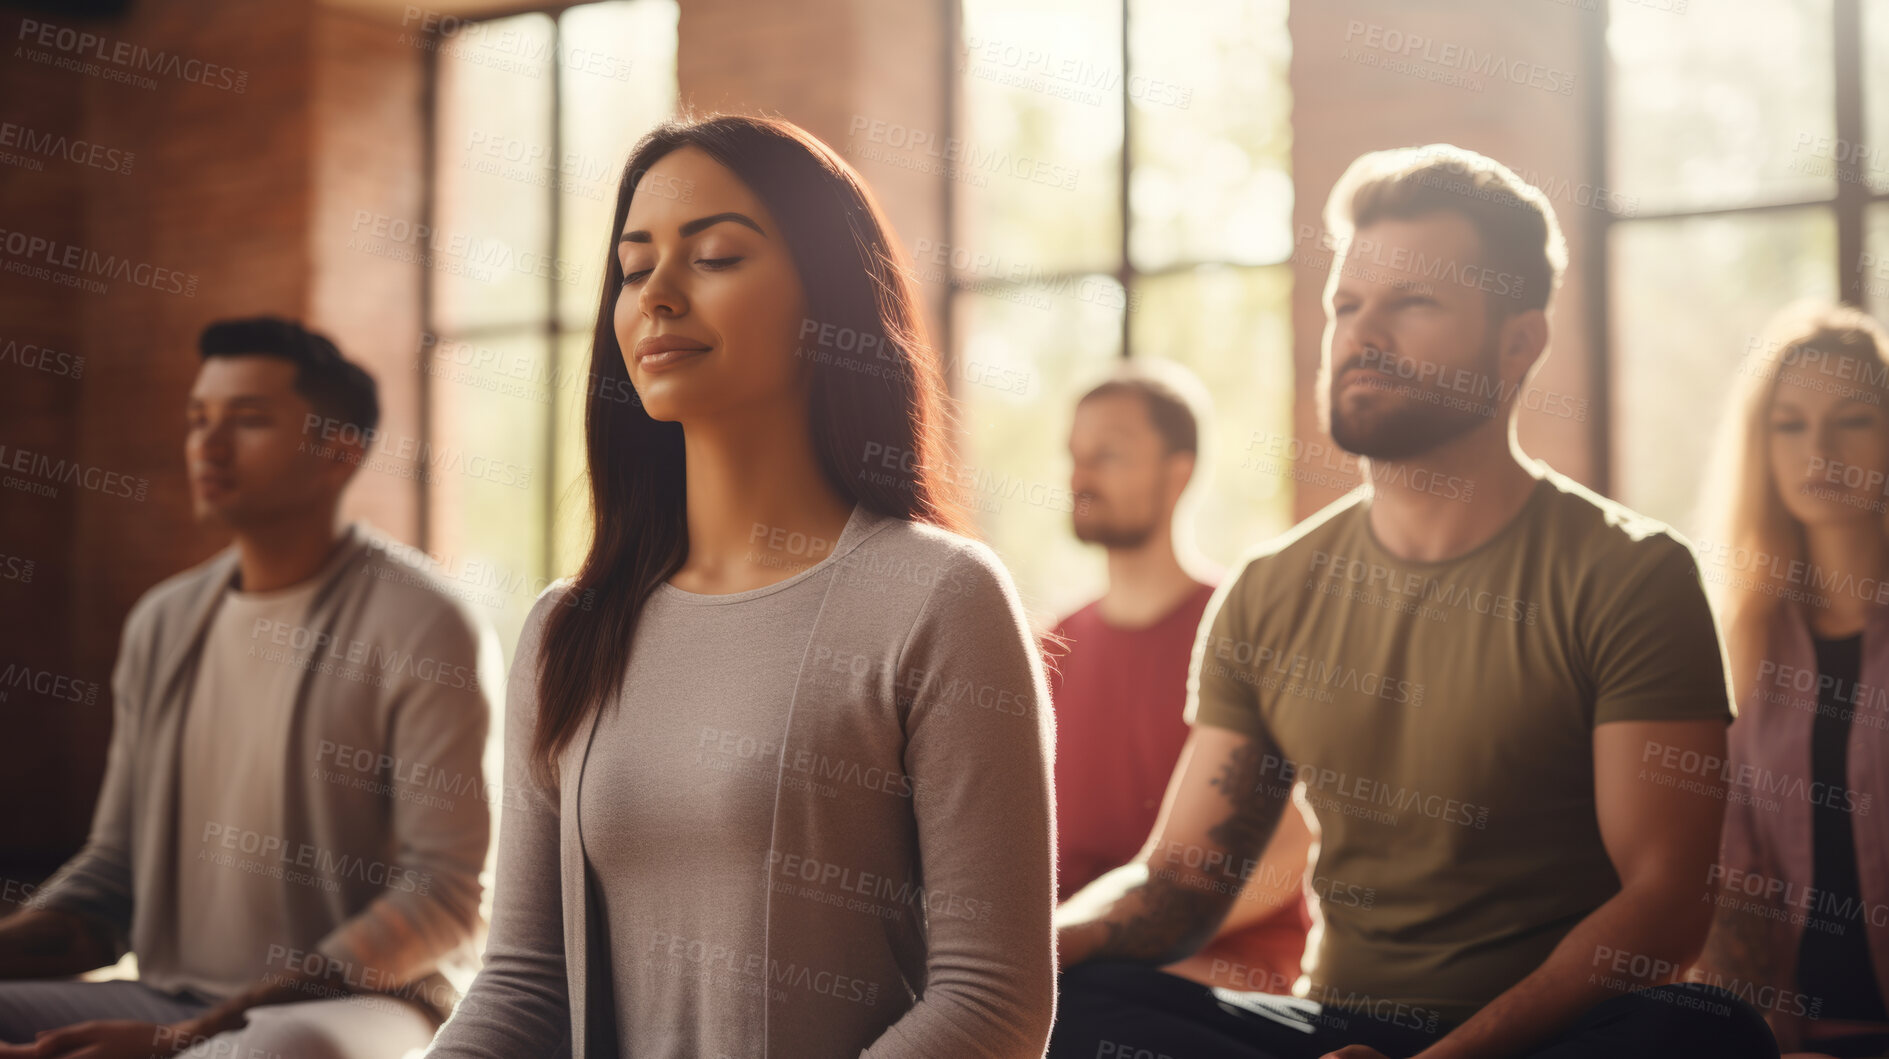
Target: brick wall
x=1343 y=106
x=244 y=165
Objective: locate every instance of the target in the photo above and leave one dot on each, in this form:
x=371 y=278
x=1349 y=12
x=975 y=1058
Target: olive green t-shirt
x=1440 y=715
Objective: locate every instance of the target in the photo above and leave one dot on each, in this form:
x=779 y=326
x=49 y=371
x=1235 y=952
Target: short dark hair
x=1512 y=218
x=331 y=383
x=1170 y=412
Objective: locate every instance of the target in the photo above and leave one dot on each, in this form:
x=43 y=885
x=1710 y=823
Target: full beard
x=1415 y=418
x=1109 y=535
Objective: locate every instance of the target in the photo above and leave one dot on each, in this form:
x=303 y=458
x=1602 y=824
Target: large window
x=535 y=115
x=1121 y=188
x=1743 y=161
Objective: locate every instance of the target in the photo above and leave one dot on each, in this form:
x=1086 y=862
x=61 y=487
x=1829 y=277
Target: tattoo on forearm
x=1254 y=814
x=1175 y=915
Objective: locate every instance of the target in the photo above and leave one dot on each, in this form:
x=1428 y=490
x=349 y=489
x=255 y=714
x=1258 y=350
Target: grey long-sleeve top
x=882 y=880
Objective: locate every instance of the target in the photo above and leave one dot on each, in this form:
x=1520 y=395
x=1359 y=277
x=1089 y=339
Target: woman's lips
x=655 y=352
x=659 y=361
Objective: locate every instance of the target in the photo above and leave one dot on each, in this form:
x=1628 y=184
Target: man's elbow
x=1681 y=911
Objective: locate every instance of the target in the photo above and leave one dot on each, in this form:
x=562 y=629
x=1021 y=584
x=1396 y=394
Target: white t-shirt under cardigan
x=816 y=823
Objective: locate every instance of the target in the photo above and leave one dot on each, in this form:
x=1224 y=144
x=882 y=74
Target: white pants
x=353 y=1027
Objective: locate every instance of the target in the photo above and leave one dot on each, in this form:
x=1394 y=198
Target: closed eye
x=711 y=263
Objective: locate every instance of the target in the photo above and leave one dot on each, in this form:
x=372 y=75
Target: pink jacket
x=1768 y=819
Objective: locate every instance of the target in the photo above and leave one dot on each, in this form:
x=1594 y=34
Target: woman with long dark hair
x=777 y=759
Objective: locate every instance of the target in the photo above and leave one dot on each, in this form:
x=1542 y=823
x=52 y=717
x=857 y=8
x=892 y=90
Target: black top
x=1833 y=959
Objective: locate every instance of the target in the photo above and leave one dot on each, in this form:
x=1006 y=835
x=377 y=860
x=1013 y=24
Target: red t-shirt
x=1119 y=695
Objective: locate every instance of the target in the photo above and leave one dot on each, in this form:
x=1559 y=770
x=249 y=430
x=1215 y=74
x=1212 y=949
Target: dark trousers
x=1130 y=1011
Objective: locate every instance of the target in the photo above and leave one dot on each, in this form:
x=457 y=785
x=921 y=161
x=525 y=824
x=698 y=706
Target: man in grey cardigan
x=294 y=815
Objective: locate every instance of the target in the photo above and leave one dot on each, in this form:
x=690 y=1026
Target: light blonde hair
x=1744 y=514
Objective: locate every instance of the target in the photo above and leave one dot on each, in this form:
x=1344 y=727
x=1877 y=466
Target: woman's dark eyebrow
x=691 y=227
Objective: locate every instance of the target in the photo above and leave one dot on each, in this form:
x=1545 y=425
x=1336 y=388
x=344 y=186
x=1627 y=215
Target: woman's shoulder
x=931 y=575
x=898 y=545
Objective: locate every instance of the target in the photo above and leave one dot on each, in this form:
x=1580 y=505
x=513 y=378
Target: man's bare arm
x=1739 y=945
x=1170 y=900
x=1660 y=824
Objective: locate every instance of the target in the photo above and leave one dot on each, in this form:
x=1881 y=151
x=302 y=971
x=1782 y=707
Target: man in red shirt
x=1118 y=677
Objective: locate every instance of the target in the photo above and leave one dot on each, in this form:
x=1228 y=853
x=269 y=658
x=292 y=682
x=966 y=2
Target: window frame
x=1848 y=205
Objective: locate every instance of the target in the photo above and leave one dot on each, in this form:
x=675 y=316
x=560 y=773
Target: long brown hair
x=1744 y=514
x=877 y=388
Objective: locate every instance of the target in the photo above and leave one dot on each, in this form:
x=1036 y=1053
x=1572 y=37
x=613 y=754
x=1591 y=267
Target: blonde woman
x=1800 y=558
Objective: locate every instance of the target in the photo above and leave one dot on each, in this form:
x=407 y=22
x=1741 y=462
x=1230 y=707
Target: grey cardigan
x=386 y=848
x=921 y=662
